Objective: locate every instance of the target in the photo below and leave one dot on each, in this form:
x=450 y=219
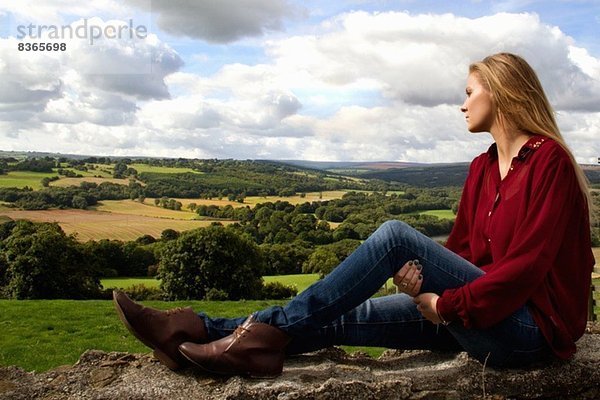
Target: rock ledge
x=327 y=374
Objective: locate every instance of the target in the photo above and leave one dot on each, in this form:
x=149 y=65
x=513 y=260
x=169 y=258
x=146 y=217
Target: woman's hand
x=409 y=278
x=427 y=305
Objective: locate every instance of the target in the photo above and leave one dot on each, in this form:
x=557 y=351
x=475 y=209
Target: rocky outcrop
x=327 y=374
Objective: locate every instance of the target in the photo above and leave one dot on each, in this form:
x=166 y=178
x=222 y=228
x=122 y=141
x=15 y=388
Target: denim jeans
x=339 y=310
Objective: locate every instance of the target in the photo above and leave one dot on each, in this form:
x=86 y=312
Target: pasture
x=301 y=281
x=20 y=179
x=130 y=219
x=298 y=199
x=442 y=214
x=65 y=182
x=161 y=170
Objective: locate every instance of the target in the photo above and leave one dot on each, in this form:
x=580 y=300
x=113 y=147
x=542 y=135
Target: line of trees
x=39 y=261
x=82 y=196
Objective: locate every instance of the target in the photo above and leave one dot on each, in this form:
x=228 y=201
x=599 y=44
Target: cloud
x=99 y=83
x=359 y=86
x=57 y=11
x=220 y=21
x=423 y=59
x=27 y=82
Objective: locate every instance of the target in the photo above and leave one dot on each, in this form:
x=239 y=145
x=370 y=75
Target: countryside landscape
x=72 y=228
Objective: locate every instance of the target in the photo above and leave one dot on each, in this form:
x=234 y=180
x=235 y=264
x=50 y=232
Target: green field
x=298 y=199
x=43 y=334
x=20 y=179
x=442 y=214
x=39 y=335
x=124 y=283
x=161 y=170
x=301 y=281
x=65 y=182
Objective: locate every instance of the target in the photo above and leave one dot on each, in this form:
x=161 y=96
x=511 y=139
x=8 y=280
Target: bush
x=142 y=292
x=153 y=270
x=277 y=291
x=38 y=261
x=207 y=258
x=216 y=295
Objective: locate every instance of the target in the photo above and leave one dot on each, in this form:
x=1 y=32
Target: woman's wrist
x=442 y=320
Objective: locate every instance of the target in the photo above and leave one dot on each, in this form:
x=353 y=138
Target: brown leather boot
x=162 y=331
x=254 y=349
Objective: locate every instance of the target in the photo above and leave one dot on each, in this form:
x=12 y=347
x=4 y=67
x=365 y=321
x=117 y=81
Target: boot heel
x=267 y=366
x=165 y=359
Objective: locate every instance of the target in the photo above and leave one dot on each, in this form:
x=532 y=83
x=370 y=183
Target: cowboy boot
x=254 y=349
x=162 y=331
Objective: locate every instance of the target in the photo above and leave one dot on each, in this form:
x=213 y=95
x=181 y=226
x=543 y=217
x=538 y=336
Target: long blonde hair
x=520 y=98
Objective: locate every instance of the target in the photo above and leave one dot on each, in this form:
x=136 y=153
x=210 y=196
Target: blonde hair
x=520 y=99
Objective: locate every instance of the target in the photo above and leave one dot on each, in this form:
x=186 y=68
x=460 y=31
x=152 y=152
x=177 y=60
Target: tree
x=107 y=257
x=325 y=258
x=137 y=259
x=41 y=262
x=169 y=234
x=322 y=261
x=211 y=258
x=79 y=202
x=285 y=258
x=120 y=170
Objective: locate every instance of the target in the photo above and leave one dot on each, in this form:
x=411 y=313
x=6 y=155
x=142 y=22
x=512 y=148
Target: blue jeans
x=338 y=310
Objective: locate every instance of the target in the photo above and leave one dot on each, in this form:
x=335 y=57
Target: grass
x=301 y=281
x=309 y=197
x=38 y=335
x=124 y=283
x=20 y=179
x=65 y=182
x=43 y=334
x=442 y=214
x=161 y=170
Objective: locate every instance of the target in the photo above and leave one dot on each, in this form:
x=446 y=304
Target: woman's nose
x=463 y=108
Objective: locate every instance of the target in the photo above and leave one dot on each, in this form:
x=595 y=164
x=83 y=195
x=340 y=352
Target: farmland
x=146 y=209
x=96 y=225
x=129 y=219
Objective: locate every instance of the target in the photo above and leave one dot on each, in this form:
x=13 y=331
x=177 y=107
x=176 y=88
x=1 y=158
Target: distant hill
x=414 y=174
x=349 y=165
x=425 y=175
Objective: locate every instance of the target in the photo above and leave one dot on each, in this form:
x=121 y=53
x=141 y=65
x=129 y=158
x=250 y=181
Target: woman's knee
x=395 y=228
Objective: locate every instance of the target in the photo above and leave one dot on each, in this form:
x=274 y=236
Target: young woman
x=510 y=287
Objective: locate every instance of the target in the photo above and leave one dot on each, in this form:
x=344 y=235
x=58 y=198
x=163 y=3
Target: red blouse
x=530 y=233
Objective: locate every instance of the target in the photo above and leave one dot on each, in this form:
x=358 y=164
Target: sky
x=282 y=79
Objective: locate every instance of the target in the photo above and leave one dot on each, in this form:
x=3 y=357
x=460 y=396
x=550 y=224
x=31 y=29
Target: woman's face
x=478 y=106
